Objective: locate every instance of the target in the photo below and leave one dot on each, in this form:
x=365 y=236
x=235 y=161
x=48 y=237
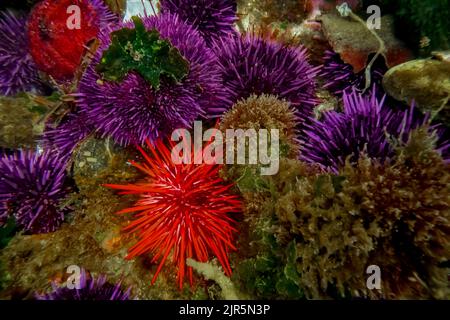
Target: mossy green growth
x=314 y=234
x=7 y=232
x=272 y=273
x=425 y=18
x=266 y=264
x=143 y=51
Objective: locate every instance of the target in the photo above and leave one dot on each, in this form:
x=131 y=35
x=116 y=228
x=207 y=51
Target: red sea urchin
x=212 y=18
x=131 y=110
x=253 y=65
x=56 y=48
x=18 y=71
x=183 y=210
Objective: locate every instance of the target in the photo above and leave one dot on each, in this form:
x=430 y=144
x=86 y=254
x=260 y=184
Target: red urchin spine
x=183 y=210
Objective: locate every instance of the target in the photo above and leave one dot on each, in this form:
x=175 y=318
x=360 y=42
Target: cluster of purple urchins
x=366 y=125
x=340 y=77
x=252 y=65
x=89 y=289
x=32 y=189
x=212 y=18
x=132 y=111
x=17 y=69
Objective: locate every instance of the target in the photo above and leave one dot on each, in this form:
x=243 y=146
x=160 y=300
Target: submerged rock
x=427 y=82
x=17 y=123
x=355 y=43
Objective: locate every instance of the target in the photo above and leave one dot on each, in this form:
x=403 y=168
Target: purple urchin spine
x=340 y=77
x=89 y=289
x=252 y=65
x=18 y=72
x=132 y=111
x=32 y=188
x=366 y=125
x=212 y=18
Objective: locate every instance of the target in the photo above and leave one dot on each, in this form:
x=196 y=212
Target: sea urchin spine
x=18 y=71
x=32 y=188
x=90 y=289
x=212 y=18
x=132 y=110
x=183 y=210
x=253 y=65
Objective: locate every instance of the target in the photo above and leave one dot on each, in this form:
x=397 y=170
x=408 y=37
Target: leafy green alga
x=143 y=51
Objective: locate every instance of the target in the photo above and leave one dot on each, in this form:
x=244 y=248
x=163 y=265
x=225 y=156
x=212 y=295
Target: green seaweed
x=7 y=232
x=422 y=19
x=268 y=270
x=143 y=51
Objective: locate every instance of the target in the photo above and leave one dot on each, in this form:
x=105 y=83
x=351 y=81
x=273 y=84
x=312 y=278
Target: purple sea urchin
x=17 y=69
x=252 y=65
x=91 y=289
x=339 y=76
x=212 y=18
x=32 y=188
x=131 y=110
x=366 y=125
x=65 y=137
